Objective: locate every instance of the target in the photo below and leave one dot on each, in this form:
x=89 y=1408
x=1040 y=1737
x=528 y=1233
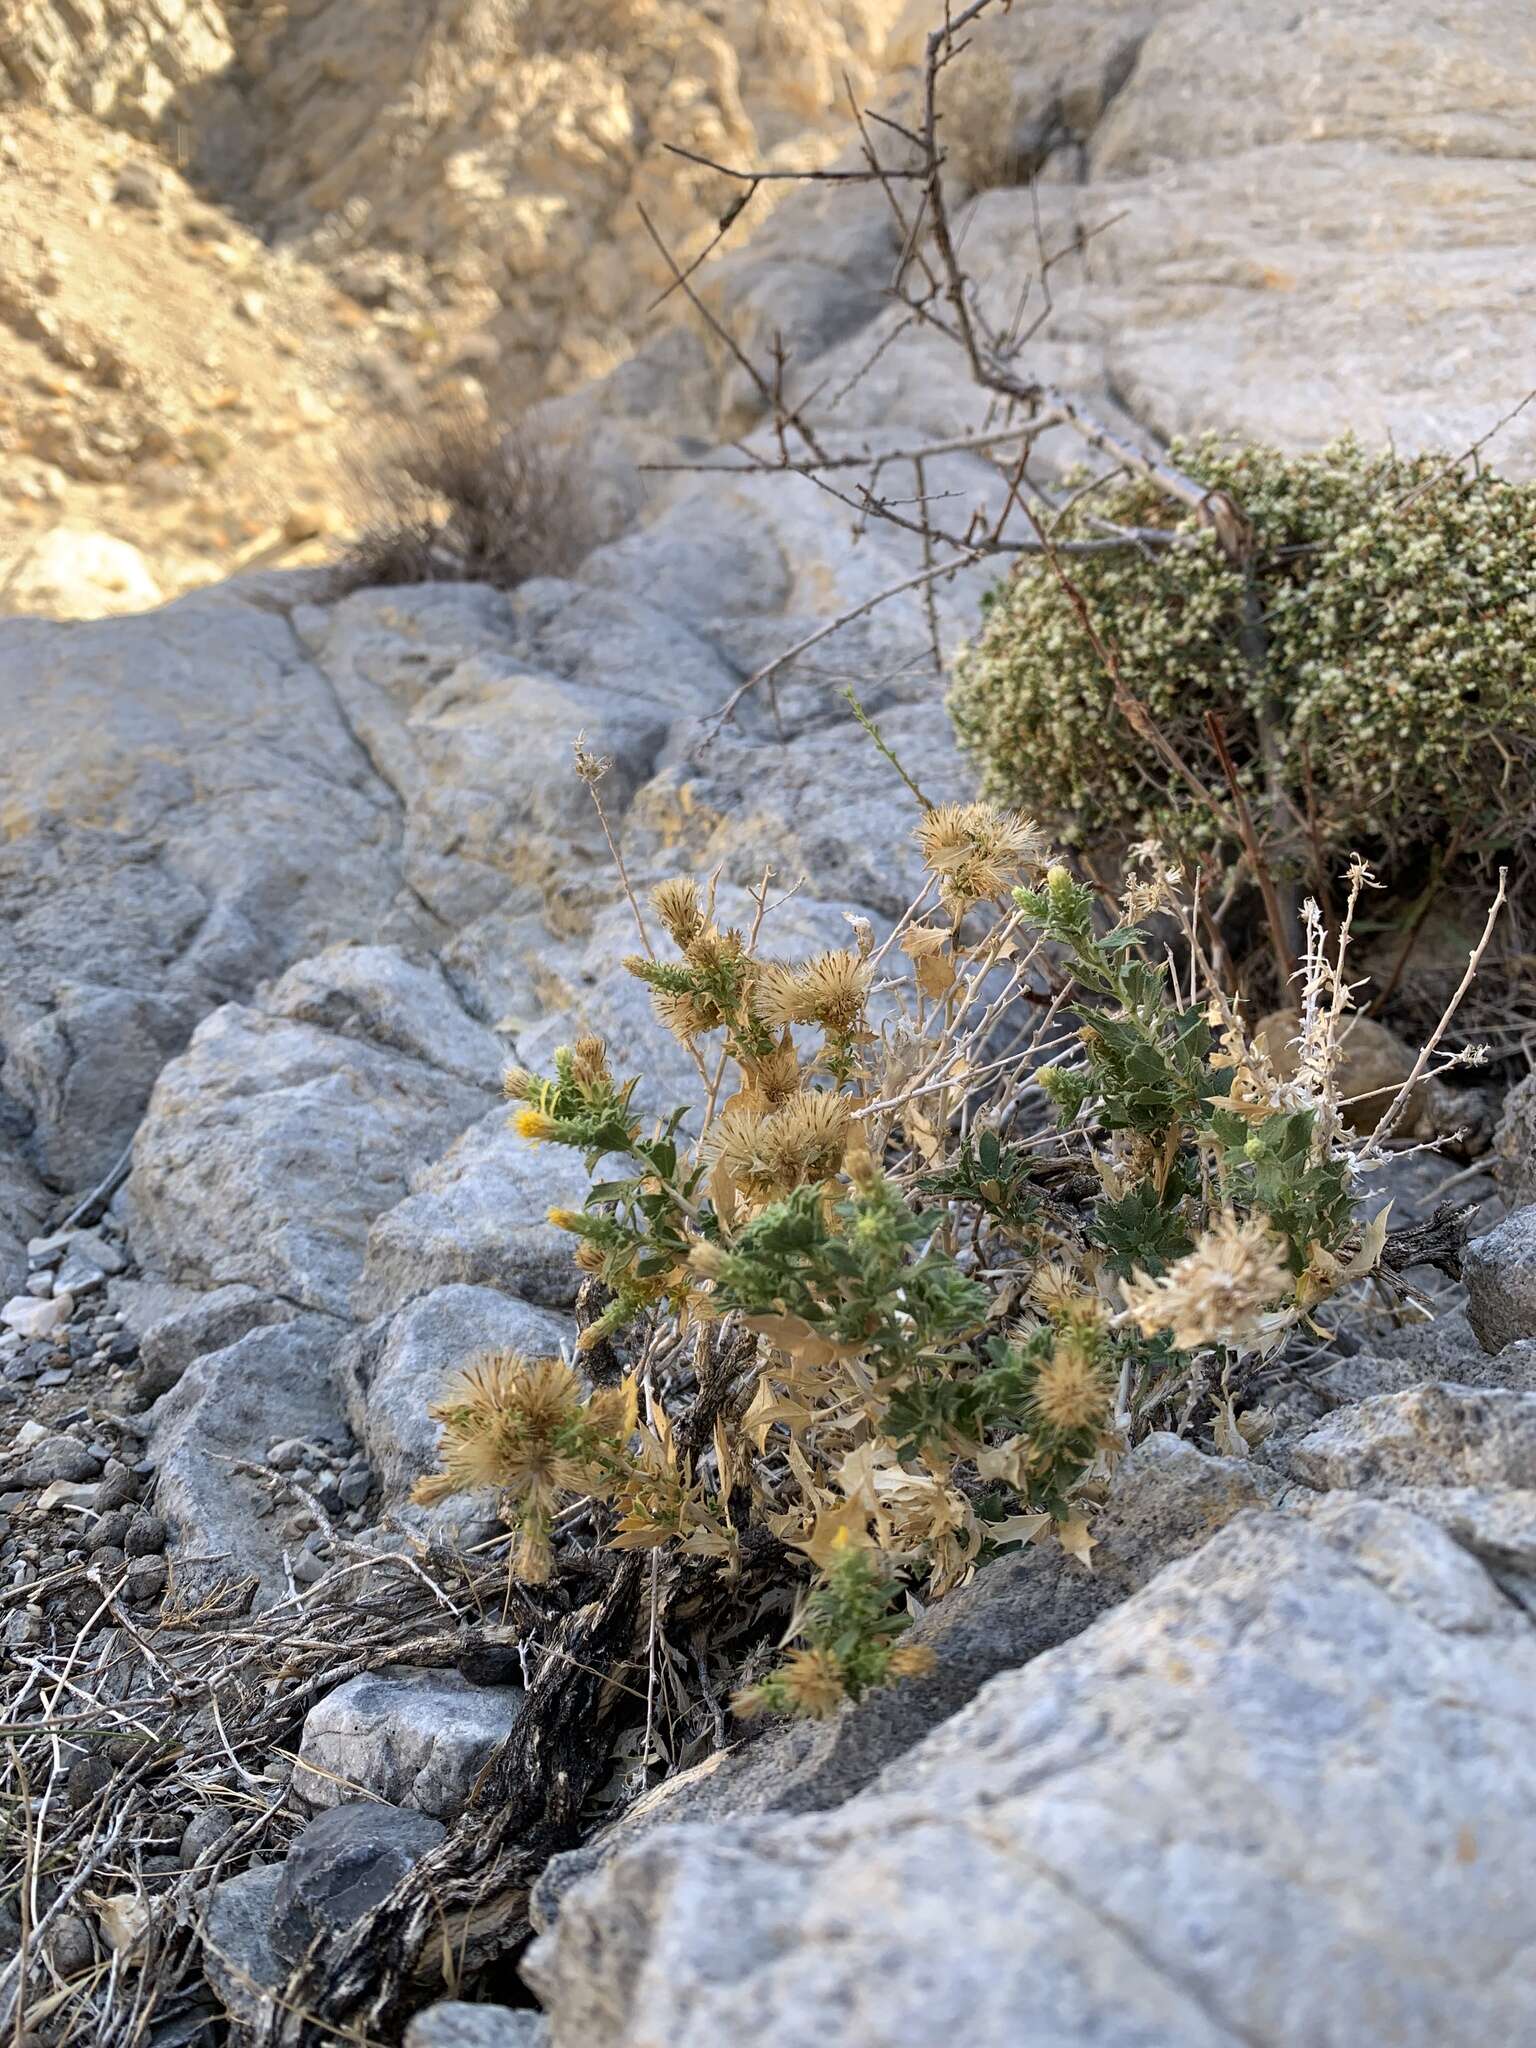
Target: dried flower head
x=517 y=1084
x=589 y=1064
x=976 y=851
x=1072 y=1391
x=677 y=904
x=766 y=1153
x=1222 y=1292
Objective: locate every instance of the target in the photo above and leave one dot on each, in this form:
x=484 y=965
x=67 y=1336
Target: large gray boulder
x=270 y=1146
x=1276 y=1797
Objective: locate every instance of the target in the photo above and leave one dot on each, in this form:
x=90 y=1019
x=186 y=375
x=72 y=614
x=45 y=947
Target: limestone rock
x=208 y=1322
x=1350 y=1380
x=1434 y=1435
x=415 y=1738
x=478 y=1216
x=1166 y=1500
x=1500 y=1271
x=232 y=1404
x=1237 y=1696
x=390 y=997
x=825 y=808
x=269 y=1147
x=185 y=812
x=392 y=1370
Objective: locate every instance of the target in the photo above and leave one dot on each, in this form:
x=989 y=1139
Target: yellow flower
x=534 y=1124
x=564 y=1219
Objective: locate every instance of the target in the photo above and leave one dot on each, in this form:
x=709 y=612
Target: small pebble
x=146 y=1535
x=355 y=1485
x=70 y=1947
x=204 y=1831
x=146 y=1580
x=87 y=1776
x=110 y=1528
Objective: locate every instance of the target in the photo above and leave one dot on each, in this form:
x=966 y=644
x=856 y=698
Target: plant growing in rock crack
x=958 y=1215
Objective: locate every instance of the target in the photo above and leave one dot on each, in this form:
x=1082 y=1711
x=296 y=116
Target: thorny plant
x=958 y=1316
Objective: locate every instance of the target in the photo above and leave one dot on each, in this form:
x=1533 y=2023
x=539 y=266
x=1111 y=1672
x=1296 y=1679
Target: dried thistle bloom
x=912 y=1660
x=766 y=1153
x=501 y=1419
x=813 y=1681
x=684 y=1016
x=1072 y=1390
x=1219 y=1293
x=589 y=1064
x=517 y=1084
x=677 y=904
x=976 y=851
x=834 y=988
x=776 y=995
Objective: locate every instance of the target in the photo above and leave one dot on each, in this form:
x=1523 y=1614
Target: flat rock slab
x=1281 y=1796
x=185 y=811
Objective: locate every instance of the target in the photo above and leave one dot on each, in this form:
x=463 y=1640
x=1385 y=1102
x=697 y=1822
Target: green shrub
x=1397 y=671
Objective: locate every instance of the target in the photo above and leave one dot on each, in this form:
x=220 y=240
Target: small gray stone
x=78 y=1276
x=146 y=1580
x=118 y=1487
x=346 y=1860
x=354 y=1486
x=454 y=2024
x=413 y=1738
x=204 y=1831
x=146 y=1535
x=88 y=1775
x=1499 y=1269
x=70 y=1947
x=110 y=1528
x=242 y=1965
x=58 y=1457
